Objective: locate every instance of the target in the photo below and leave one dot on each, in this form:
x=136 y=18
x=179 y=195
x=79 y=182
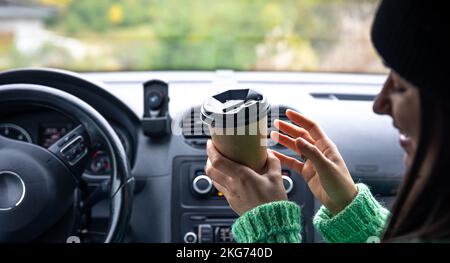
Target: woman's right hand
x=324 y=170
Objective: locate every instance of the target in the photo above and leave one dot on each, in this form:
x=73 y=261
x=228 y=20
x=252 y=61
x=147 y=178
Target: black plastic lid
x=236 y=107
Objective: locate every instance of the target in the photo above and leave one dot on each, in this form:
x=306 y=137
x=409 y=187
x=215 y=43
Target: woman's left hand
x=243 y=188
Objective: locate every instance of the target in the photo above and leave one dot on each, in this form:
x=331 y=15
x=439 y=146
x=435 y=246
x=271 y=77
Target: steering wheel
x=39 y=185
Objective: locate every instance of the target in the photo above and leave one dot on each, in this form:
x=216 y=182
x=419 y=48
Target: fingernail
x=275 y=123
x=300 y=142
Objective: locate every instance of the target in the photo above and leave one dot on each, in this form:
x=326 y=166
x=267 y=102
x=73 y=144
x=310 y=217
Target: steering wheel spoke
x=73 y=149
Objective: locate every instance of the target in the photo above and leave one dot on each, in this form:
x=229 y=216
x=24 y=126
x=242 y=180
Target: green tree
x=200 y=34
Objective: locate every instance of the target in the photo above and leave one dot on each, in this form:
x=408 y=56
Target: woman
x=407 y=34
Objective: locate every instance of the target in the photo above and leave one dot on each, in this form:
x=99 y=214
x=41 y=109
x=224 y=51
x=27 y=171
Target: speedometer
x=15 y=132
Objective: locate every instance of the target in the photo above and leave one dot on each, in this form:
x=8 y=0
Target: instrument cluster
x=48 y=133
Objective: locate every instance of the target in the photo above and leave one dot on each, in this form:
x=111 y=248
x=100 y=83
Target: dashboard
x=173 y=199
x=44 y=127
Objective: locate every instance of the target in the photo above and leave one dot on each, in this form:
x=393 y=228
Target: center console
x=202 y=215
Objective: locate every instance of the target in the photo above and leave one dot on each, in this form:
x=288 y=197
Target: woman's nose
x=382 y=103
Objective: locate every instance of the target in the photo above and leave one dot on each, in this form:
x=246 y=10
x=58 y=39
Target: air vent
x=196 y=132
x=343 y=96
x=192 y=126
x=281 y=112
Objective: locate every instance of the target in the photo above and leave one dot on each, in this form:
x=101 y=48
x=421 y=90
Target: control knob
x=202 y=184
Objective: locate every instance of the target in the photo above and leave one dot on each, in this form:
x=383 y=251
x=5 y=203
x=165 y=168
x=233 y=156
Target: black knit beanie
x=412 y=37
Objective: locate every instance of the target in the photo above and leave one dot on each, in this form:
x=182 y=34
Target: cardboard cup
x=238 y=126
x=246 y=149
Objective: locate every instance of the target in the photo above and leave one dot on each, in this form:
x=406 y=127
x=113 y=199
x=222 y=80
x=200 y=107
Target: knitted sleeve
x=276 y=222
x=363 y=220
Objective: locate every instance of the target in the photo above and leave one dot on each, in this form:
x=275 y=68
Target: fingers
x=220 y=188
x=216 y=176
x=312 y=153
x=293 y=130
x=289 y=162
x=314 y=130
x=225 y=165
x=285 y=141
x=273 y=163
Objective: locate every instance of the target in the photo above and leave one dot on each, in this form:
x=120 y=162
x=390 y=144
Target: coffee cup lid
x=234 y=108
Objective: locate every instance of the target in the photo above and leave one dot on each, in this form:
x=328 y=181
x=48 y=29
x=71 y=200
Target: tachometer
x=15 y=132
x=100 y=163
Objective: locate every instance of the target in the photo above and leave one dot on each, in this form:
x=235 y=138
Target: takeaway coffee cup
x=237 y=121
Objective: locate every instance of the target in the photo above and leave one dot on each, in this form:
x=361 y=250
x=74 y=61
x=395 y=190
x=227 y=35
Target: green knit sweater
x=363 y=220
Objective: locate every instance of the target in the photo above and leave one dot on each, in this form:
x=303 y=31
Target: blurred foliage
x=194 y=34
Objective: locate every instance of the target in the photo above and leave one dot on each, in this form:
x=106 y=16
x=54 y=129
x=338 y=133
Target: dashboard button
x=202 y=184
x=288 y=183
x=190 y=237
x=74 y=150
x=223 y=234
x=66 y=139
x=205 y=233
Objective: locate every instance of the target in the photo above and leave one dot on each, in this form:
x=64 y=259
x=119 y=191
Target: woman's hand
x=325 y=170
x=243 y=188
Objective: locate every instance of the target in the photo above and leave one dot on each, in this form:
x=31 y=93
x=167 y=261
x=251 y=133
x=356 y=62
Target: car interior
x=118 y=154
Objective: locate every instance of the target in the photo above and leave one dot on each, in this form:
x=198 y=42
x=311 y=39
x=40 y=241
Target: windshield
x=131 y=35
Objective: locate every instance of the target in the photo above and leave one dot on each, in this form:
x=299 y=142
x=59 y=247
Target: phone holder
x=156 y=121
